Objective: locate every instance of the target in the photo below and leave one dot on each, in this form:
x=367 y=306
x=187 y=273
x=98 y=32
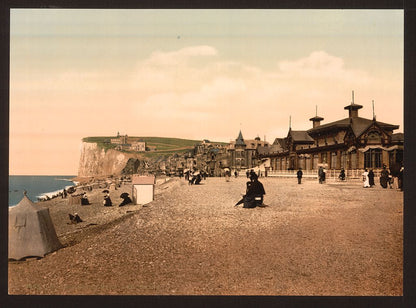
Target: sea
x=36 y=186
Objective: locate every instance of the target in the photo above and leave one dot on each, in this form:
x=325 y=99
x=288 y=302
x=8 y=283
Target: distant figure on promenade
x=84 y=199
x=248 y=174
x=254 y=194
x=384 y=177
x=198 y=178
x=365 y=179
x=235 y=173
x=227 y=175
x=107 y=199
x=191 y=178
x=400 y=178
x=342 y=175
x=371 y=178
x=299 y=175
x=321 y=175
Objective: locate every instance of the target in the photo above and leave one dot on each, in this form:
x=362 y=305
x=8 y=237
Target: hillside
x=162 y=145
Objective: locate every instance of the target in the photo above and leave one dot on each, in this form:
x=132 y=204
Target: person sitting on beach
x=84 y=199
x=75 y=218
x=126 y=199
x=254 y=194
x=107 y=200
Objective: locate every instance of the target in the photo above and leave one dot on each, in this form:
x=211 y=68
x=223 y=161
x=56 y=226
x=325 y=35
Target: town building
x=243 y=153
x=350 y=143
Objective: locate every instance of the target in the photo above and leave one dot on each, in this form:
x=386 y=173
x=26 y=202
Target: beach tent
x=31 y=231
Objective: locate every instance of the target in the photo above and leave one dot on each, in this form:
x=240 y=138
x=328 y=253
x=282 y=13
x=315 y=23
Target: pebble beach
x=336 y=238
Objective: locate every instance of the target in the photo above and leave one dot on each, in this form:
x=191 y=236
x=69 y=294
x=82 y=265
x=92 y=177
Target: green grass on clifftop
x=163 y=145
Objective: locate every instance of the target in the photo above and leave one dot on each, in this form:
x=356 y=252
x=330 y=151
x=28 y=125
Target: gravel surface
x=336 y=238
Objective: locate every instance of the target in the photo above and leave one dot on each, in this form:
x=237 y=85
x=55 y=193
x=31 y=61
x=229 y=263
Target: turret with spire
x=316 y=120
x=240 y=140
x=353 y=108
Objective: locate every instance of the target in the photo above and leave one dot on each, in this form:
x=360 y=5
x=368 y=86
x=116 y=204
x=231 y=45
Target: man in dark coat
x=371 y=178
x=384 y=177
x=299 y=175
x=321 y=175
x=342 y=175
x=400 y=178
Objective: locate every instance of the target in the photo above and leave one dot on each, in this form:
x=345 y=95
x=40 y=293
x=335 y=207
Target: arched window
x=373 y=137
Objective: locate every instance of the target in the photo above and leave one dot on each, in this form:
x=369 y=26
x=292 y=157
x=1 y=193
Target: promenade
x=312 y=239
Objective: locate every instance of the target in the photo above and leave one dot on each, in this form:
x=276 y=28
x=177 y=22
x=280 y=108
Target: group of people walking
x=386 y=178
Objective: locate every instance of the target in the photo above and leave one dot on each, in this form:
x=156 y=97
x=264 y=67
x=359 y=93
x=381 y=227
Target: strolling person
x=321 y=175
x=235 y=174
x=248 y=174
x=342 y=175
x=365 y=179
x=384 y=177
x=400 y=178
x=299 y=175
x=371 y=178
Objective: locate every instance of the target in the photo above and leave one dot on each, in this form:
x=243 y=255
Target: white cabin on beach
x=143 y=189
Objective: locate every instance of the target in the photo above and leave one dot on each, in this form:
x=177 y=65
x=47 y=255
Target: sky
x=193 y=74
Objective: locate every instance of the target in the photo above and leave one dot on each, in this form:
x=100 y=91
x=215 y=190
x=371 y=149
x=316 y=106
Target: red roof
x=143 y=180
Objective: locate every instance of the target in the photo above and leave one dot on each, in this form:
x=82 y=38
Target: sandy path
x=331 y=239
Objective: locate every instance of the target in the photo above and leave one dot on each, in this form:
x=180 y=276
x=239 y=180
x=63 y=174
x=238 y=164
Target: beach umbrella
x=124 y=195
x=106 y=191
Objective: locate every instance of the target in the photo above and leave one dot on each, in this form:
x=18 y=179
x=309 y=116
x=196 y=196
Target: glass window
x=373 y=158
x=334 y=160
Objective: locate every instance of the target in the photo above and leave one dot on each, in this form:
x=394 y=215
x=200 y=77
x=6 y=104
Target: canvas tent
x=31 y=231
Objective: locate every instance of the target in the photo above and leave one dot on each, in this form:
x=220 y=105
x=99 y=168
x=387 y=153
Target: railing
x=330 y=174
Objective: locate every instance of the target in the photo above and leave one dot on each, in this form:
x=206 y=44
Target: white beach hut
x=143 y=189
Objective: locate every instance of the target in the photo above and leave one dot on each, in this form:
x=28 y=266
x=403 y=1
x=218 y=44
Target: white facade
x=143 y=193
x=143 y=189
